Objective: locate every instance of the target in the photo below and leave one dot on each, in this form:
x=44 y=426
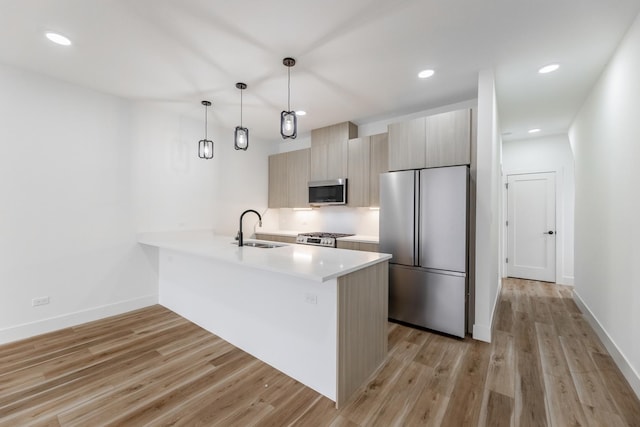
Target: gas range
x=328 y=240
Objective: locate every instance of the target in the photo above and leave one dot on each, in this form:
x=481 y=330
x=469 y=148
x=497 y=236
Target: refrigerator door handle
x=445 y=272
x=416 y=219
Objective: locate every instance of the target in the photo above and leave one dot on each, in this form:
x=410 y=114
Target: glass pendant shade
x=241 y=138
x=205 y=146
x=205 y=149
x=288 y=120
x=288 y=124
x=241 y=135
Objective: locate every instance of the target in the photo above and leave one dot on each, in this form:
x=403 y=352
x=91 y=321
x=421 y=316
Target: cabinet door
x=319 y=154
x=298 y=178
x=358 y=172
x=354 y=246
x=275 y=238
x=407 y=142
x=358 y=246
x=329 y=151
x=378 y=163
x=278 y=186
x=448 y=137
x=369 y=247
x=337 y=159
x=318 y=163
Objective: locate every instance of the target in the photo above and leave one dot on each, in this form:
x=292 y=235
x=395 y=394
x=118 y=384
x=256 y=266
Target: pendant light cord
x=241 y=107
x=205 y=121
x=289 y=88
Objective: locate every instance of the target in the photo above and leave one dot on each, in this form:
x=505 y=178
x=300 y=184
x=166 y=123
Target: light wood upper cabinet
x=433 y=141
x=358 y=172
x=407 y=146
x=368 y=158
x=278 y=183
x=378 y=163
x=448 y=138
x=329 y=151
x=288 y=179
x=298 y=178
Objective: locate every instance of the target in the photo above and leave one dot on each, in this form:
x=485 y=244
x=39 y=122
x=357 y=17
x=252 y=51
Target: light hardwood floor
x=546 y=367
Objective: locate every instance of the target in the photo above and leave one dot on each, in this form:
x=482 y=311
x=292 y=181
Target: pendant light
x=205 y=146
x=288 y=120
x=241 y=135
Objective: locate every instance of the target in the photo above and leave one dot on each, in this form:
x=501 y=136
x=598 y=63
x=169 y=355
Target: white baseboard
x=483 y=332
x=567 y=280
x=27 y=330
x=623 y=363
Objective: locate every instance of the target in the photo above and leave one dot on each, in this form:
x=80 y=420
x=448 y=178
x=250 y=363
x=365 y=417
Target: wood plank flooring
x=545 y=367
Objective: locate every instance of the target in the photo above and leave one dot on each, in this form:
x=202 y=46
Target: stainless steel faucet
x=239 y=237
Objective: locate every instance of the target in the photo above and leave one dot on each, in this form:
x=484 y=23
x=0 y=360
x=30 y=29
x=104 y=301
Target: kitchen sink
x=260 y=245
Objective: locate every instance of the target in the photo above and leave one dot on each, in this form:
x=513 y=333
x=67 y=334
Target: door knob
x=549 y=232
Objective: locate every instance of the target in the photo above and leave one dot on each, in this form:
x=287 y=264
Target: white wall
x=605 y=140
x=335 y=219
x=80 y=174
x=488 y=208
x=174 y=189
x=66 y=215
x=548 y=154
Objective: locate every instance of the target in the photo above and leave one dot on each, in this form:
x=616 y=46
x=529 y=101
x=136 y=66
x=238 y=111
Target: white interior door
x=531 y=226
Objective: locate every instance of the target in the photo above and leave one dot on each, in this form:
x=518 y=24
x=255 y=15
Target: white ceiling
x=357 y=59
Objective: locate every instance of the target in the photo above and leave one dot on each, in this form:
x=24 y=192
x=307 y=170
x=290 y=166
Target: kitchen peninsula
x=317 y=314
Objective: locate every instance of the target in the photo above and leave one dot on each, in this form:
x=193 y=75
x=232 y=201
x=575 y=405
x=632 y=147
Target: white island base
x=330 y=335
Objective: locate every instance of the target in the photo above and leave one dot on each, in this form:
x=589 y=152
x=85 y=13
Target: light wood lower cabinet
x=275 y=238
x=358 y=246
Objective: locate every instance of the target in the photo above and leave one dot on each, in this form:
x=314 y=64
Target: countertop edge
x=159 y=243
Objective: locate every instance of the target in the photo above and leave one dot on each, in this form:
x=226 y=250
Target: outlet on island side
x=39 y=301
x=311 y=298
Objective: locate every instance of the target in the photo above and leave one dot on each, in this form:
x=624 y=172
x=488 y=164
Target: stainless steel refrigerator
x=423 y=224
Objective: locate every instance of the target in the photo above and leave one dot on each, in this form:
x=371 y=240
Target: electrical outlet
x=39 y=301
x=311 y=298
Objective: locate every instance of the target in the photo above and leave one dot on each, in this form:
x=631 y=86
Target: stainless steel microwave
x=330 y=192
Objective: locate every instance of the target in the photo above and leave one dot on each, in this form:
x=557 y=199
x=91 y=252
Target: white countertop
x=308 y=262
x=294 y=233
x=361 y=238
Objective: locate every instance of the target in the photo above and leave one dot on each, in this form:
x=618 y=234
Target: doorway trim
x=560 y=220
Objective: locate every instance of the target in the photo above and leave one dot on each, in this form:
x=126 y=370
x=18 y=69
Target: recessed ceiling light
x=425 y=74
x=58 y=38
x=548 y=68
x=536 y=130
x=301 y=113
